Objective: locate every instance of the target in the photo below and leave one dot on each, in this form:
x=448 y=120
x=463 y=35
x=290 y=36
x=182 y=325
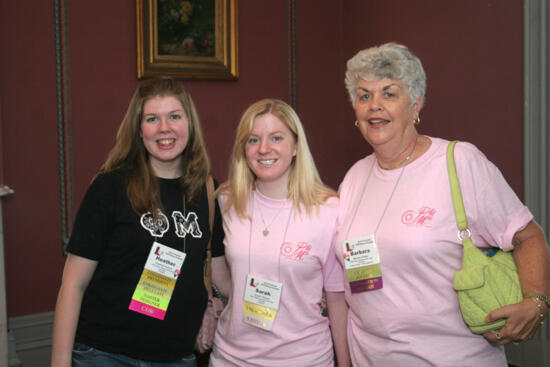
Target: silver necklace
x=406 y=161
x=265 y=232
x=250 y=237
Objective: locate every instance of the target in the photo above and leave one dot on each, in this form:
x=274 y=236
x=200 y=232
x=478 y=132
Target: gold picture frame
x=187 y=39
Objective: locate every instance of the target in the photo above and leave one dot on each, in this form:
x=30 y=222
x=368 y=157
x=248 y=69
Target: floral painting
x=186 y=27
x=194 y=39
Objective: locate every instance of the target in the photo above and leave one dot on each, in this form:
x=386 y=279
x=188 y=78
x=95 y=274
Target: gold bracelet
x=538 y=302
x=541 y=297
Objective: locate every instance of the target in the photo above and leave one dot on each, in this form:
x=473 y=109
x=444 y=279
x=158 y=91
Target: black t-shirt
x=107 y=230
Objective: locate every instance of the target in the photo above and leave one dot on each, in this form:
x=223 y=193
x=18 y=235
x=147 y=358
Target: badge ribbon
x=158 y=279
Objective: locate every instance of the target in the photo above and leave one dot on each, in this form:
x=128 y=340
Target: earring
x=356 y=123
x=416 y=121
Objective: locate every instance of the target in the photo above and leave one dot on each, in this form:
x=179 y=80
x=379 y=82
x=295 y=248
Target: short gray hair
x=390 y=60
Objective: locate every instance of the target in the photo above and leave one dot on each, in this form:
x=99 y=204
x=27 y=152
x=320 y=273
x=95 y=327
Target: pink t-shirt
x=303 y=261
x=415 y=320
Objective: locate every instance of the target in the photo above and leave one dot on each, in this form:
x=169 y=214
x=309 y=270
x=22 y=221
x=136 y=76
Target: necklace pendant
x=265 y=232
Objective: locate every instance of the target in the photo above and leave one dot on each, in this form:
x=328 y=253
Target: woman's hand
x=221 y=276
x=524 y=318
x=522 y=321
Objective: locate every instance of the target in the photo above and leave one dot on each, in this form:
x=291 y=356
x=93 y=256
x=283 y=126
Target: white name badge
x=158 y=279
x=261 y=301
x=362 y=263
x=165 y=260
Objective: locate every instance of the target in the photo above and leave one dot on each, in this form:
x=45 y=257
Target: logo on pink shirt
x=295 y=252
x=421 y=218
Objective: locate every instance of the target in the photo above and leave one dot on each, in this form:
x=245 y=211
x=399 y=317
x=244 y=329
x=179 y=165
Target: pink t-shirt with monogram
x=415 y=320
x=297 y=252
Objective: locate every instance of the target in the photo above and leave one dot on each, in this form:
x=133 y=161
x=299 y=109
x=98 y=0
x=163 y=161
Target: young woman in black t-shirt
x=132 y=287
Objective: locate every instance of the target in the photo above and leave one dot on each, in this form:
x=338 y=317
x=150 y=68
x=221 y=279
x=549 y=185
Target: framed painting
x=189 y=39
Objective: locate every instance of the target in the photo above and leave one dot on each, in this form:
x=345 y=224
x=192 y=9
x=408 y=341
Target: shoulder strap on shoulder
x=210 y=194
x=211 y=209
x=458 y=203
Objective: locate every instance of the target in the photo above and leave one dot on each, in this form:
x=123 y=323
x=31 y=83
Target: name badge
x=157 y=282
x=261 y=301
x=362 y=263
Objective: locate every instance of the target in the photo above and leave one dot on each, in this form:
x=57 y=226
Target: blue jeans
x=85 y=356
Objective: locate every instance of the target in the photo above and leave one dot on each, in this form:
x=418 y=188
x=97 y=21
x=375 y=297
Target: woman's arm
x=532 y=259
x=338 y=316
x=221 y=276
x=76 y=275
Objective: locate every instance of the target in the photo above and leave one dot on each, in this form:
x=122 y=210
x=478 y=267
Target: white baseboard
x=30 y=340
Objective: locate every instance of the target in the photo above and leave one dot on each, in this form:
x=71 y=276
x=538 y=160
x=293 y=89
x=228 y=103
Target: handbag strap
x=208 y=263
x=458 y=203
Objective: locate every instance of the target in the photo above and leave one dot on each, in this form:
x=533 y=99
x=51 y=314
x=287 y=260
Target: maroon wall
x=32 y=246
x=472 y=52
x=321 y=99
x=1 y=147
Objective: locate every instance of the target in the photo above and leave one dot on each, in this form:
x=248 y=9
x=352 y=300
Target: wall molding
x=4 y=339
x=536 y=141
x=64 y=140
x=291 y=47
x=536 y=111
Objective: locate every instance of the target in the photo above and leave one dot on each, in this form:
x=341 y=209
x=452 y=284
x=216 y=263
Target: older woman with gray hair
x=396 y=205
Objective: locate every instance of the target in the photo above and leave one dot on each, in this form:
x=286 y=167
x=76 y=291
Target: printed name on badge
x=362 y=263
x=157 y=282
x=261 y=302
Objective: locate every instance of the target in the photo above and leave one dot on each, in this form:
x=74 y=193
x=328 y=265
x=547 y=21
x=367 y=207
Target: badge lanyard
x=391 y=196
x=158 y=279
x=262 y=296
x=363 y=194
x=361 y=257
x=250 y=238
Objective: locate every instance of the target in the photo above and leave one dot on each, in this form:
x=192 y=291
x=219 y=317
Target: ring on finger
x=498 y=336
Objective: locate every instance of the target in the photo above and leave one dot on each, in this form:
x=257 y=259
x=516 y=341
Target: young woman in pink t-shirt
x=279 y=221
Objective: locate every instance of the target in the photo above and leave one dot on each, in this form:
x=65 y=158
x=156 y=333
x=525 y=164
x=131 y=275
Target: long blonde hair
x=130 y=154
x=304 y=187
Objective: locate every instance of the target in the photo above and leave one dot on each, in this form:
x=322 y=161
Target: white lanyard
x=250 y=239
x=391 y=196
x=363 y=193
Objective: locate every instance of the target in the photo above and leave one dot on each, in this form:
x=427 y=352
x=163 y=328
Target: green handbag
x=485 y=282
